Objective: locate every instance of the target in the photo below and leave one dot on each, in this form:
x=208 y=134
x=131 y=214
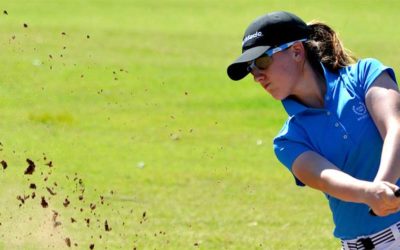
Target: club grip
x=396 y=193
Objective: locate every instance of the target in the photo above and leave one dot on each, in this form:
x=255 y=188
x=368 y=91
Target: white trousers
x=386 y=239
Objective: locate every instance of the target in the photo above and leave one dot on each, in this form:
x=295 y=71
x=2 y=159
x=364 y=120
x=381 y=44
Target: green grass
x=134 y=82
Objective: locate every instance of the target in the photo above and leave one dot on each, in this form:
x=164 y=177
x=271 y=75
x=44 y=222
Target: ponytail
x=325 y=46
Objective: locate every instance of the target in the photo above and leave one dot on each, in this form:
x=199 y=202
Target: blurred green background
x=130 y=102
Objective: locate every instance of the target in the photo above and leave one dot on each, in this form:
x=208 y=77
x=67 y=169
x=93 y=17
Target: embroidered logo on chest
x=360 y=110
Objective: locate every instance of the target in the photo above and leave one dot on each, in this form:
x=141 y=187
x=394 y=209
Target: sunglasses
x=265 y=60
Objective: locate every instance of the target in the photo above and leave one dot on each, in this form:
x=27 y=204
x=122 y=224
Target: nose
x=258 y=75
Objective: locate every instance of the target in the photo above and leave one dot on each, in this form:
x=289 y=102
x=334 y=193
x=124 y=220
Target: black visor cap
x=270 y=30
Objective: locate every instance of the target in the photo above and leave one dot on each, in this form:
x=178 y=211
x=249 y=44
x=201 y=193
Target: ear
x=298 y=51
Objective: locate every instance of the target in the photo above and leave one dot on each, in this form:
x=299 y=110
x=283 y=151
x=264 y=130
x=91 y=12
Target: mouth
x=266 y=85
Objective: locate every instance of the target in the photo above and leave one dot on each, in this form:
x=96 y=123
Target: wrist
x=366 y=192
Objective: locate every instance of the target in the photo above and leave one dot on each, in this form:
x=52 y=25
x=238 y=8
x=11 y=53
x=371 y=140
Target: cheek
x=287 y=74
x=278 y=75
x=287 y=68
x=283 y=79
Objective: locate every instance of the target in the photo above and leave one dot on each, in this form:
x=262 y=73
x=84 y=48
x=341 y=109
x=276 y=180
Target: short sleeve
x=368 y=70
x=288 y=146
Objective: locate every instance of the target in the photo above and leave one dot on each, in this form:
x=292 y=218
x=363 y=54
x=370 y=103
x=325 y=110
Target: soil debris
x=87 y=220
x=106 y=226
x=44 y=203
x=68 y=242
x=4 y=164
x=22 y=199
x=66 y=202
x=55 y=222
x=51 y=191
x=92 y=206
x=31 y=168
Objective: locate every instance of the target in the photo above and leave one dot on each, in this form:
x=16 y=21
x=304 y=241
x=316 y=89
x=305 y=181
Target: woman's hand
x=316 y=172
x=381 y=199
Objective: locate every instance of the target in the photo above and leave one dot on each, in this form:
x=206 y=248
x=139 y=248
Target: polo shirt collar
x=293 y=107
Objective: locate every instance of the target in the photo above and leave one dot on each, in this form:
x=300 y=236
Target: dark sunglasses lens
x=263 y=62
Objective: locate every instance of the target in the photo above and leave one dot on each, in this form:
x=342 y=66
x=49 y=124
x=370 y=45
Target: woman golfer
x=342 y=135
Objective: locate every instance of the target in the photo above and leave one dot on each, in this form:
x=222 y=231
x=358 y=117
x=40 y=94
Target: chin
x=277 y=96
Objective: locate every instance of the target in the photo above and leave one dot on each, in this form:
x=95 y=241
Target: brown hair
x=325 y=46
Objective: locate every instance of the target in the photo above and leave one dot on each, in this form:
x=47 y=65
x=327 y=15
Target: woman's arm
x=383 y=103
x=317 y=172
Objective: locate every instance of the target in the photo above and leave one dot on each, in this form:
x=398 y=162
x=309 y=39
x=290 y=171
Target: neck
x=311 y=88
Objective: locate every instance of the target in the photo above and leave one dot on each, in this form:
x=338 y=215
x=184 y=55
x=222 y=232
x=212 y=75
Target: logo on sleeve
x=360 y=110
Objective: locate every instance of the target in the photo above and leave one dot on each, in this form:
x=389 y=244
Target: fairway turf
x=132 y=98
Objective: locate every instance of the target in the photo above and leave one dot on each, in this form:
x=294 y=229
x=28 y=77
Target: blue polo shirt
x=344 y=133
